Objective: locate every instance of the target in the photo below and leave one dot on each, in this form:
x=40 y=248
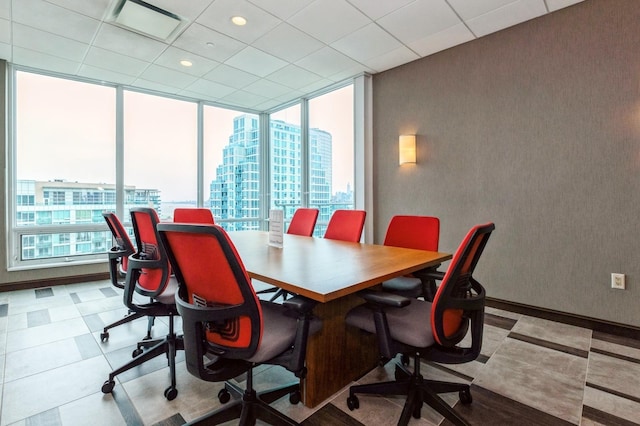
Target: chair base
x=167 y=346
x=250 y=406
x=278 y=293
x=418 y=391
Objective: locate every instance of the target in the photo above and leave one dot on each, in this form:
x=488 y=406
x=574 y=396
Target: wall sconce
x=407 y=148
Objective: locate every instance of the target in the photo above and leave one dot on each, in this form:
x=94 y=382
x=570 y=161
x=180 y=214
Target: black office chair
x=427 y=330
x=227 y=329
x=149 y=275
x=118 y=262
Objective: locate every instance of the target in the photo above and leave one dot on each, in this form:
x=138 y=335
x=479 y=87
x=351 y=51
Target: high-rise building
x=235 y=192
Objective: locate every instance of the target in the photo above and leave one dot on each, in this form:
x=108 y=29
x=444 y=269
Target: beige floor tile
x=614 y=373
x=37 y=393
x=45 y=357
x=563 y=334
x=612 y=404
x=616 y=349
x=97 y=409
x=35 y=336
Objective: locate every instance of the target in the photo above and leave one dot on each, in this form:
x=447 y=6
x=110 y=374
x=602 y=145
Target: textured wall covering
x=536 y=128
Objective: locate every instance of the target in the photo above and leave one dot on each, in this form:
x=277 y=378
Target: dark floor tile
x=123 y=356
x=489 y=408
x=94 y=322
x=498 y=321
x=44 y=292
x=46 y=418
x=330 y=415
x=87 y=346
x=615 y=355
x=175 y=420
x=613 y=392
x=4 y=310
x=619 y=340
x=37 y=318
x=126 y=407
x=550 y=345
x=108 y=292
x=75 y=298
x=601 y=417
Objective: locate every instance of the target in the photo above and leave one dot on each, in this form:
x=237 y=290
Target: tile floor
x=531 y=371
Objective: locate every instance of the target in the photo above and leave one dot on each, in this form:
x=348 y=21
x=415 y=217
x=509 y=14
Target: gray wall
x=536 y=128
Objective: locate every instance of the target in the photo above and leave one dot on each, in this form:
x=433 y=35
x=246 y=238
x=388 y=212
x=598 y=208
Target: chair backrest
x=119 y=253
x=455 y=299
x=303 y=222
x=415 y=232
x=192 y=215
x=151 y=261
x=211 y=275
x=346 y=225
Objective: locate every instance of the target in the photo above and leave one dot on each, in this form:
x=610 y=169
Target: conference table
x=330 y=272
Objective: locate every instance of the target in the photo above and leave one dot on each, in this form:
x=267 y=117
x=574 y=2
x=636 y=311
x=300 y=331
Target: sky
x=74 y=140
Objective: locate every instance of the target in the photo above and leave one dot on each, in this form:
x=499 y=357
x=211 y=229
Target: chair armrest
x=429 y=274
x=300 y=304
x=386 y=299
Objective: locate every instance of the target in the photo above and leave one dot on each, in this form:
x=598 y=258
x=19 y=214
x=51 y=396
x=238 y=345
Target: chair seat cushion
x=168 y=296
x=410 y=325
x=278 y=331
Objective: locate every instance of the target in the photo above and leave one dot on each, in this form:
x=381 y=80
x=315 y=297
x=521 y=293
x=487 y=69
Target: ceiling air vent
x=147 y=19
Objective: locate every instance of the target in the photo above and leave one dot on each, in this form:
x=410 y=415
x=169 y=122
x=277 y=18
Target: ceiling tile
x=419 y=19
x=272 y=103
x=167 y=76
x=50 y=44
x=506 y=16
x=288 y=43
x=255 y=61
x=559 y=4
x=116 y=62
x=377 y=9
x=54 y=19
x=326 y=61
x=229 y=76
x=102 y=74
x=283 y=9
x=171 y=58
x=368 y=42
x=152 y=85
x=244 y=99
x=96 y=9
x=5 y=52
x=294 y=77
x=208 y=43
x=218 y=17
x=472 y=9
x=329 y=20
x=442 y=40
x=267 y=88
x=210 y=88
x=5 y=9
x=391 y=59
x=5 y=31
x=39 y=60
x=128 y=43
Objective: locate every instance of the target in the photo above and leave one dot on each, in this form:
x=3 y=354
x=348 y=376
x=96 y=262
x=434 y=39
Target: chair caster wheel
x=465 y=396
x=224 y=396
x=353 y=403
x=136 y=352
x=147 y=337
x=295 y=397
x=104 y=336
x=107 y=386
x=170 y=393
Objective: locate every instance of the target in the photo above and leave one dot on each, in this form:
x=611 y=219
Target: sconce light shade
x=407 y=148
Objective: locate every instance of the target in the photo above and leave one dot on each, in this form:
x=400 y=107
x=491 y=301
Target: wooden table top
x=323 y=269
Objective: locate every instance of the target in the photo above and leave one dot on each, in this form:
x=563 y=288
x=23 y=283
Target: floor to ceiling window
x=160 y=152
x=68 y=163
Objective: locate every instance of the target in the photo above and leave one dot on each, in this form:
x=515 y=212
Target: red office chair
x=346 y=225
x=192 y=215
x=227 y=329
x=302 y=223
x=415 y=232
x=149 y=275
x=428 y=330
x=118 y=262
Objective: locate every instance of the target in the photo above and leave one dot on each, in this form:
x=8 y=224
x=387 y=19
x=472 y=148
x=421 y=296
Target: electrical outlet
x=617 y=281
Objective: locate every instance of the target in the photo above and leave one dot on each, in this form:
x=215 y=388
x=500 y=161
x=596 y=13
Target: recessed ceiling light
x=239 y=20
x=186 y=63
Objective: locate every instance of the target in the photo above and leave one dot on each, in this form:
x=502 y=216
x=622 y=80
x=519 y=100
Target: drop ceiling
x=287 y=49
